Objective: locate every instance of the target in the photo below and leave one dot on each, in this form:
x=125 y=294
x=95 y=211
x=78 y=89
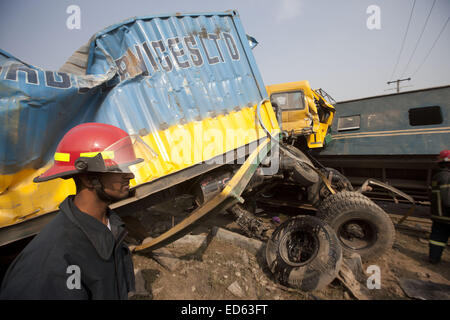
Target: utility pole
x=398 y=83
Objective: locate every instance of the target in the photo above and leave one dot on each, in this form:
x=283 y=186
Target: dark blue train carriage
x=394 y=138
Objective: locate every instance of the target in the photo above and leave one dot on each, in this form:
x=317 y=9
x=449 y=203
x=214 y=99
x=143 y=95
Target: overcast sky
x=346 y=47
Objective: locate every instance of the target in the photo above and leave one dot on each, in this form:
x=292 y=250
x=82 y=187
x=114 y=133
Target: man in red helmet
x=80 y=254
x=440 y=208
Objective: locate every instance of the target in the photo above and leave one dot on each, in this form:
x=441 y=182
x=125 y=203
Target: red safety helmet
x=444 y=156
x=92 y=147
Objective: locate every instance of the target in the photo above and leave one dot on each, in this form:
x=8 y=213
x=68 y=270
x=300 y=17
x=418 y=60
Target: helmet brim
x=56 y=172
x=66 y=172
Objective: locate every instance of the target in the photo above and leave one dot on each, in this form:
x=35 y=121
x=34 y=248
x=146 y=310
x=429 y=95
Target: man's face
x=117 y=185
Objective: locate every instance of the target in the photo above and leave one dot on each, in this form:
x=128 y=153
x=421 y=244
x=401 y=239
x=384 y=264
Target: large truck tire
x=304 y=253
x=301 y=173
x=361 y=226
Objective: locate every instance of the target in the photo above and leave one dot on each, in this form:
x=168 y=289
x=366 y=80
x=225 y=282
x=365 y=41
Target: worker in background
x=80 y=254
x=440 y=208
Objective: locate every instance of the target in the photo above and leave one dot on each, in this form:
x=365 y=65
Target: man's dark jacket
x=73 y=242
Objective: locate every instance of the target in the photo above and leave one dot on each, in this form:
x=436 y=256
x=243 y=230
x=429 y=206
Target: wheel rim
x=298 y=248
x=268 y=194
x=357 y=234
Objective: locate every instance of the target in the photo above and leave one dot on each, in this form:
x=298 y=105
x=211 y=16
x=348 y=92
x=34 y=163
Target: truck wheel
x=304 y=253
x=319 y=190
x=361 y=226
x=339 y=182
x=302 y=174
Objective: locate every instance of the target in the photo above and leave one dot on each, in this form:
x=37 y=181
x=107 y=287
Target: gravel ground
x=220 y=270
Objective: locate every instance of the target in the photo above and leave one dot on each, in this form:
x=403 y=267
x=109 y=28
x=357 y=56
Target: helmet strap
x=100 y=191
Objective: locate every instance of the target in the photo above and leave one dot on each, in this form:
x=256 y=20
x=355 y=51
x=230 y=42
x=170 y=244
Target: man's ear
x=86 y=181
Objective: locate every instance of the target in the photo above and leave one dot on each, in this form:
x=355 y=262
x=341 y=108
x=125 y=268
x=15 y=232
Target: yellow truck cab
x=303 y=111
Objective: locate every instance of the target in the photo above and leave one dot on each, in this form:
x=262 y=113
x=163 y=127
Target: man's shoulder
x=442 y=176
x=57 y=234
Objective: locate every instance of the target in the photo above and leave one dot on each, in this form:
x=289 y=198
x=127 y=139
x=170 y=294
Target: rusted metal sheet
x=77 y=63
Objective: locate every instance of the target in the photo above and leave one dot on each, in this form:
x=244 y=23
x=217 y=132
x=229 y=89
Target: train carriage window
x=425 y=116
x=294 y=100
x=349 y=123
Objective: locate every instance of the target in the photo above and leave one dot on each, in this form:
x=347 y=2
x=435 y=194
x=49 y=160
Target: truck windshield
x=294 y=100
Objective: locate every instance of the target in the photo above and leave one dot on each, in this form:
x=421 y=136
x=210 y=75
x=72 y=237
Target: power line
x=418 y=40
x=431 y=49
x=403 y=42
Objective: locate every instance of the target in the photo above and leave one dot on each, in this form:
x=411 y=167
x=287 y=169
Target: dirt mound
x=218 y=269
